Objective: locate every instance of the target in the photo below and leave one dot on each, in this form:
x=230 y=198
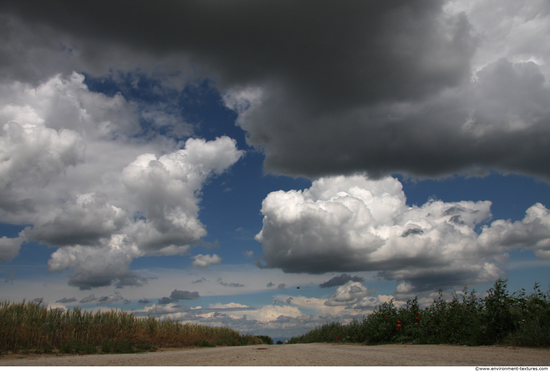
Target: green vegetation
x=499 y=318
x=29 y=327
x=266 y=340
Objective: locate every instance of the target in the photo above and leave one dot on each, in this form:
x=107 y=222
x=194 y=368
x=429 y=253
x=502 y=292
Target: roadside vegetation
x=498 y=318
x=28 y=327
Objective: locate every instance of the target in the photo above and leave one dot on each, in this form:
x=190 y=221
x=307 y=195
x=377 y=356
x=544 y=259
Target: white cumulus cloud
x=206 y=260
x=355 y=224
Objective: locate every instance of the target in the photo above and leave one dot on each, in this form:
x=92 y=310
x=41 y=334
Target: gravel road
x=307 y=355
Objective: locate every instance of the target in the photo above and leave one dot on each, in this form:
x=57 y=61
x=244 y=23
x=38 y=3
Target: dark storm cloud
x=318 y=46
x=184 y=295
x=340 y=280
x=376 y=86
x=342 y=86
x=87 y=280
x=166 y=300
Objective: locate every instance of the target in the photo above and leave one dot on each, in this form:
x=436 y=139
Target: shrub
x=466 y=319
x=265 y=340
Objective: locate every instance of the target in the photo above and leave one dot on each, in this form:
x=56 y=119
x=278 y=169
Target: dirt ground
x=305 y=355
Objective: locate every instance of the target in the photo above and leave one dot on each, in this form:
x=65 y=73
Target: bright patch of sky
x=281 y=165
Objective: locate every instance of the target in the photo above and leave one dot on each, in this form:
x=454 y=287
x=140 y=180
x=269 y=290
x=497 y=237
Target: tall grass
x=498 y=318
x=31 y=327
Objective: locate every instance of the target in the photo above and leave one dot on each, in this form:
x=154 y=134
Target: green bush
x=498 y=318
x=265 y=339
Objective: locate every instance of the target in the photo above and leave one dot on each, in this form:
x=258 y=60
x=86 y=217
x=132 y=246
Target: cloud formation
x=340 y=280
x=354 y=224
x=206 y=260
x=351 y=294
x=163 y=193
x=419 y=88
x=73 y=166
x=9 y=247
x=184 y=295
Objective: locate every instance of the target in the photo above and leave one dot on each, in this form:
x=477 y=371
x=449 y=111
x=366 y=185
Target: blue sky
x=271 y=166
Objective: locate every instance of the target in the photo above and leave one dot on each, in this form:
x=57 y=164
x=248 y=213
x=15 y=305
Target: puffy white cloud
x=66 y=103
x=206 y=260
x=73 y=165
x=165 y=192
x=349 y=294
x=9 y=248
x=30 y=156
x=533 y=232
x=99 y=240
x=356 y=224
x=231 y=305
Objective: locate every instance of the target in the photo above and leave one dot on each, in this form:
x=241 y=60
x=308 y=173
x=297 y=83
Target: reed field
x=29 y=327
x=498 y=318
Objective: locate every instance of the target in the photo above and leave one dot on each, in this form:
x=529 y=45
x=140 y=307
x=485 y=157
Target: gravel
x=305 y=355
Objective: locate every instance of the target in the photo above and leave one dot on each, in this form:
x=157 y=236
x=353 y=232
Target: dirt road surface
x=307 y=355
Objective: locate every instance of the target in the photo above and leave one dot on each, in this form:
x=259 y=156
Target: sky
x=271 y=166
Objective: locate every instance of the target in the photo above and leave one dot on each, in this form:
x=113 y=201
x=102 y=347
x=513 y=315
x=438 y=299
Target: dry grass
x=30 y=327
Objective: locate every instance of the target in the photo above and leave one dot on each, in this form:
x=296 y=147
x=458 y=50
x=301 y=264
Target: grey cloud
x=235 y=285
x=246 y=42
x=270 y=284
x=281 y=286
x=9 y=247
x=166 y=300
x=82 y=220
x=340 y=280
x=131 y=280
x=98 y=266
x=105 y=300
x=413 y=231
x=397 y=77
x=65 y=300
x=185 y=312
x=144 y=301
x=184 y=295
x=87 y=299
x=199 y=280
